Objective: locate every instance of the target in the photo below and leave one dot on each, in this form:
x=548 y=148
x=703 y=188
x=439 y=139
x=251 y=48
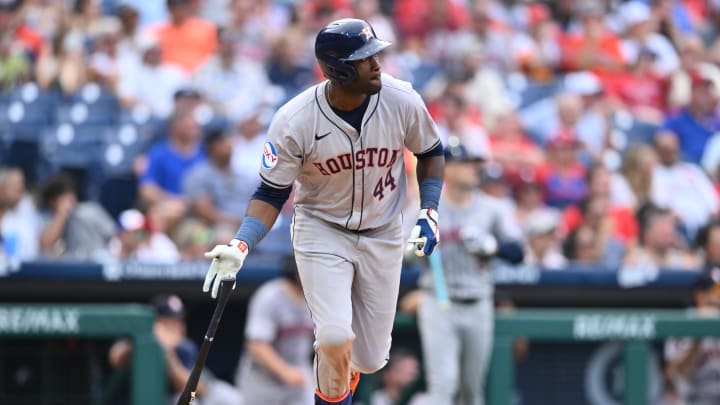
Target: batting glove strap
x=425 y=235
x=226 y=262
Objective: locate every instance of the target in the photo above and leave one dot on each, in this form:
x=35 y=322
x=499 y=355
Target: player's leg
x=327 y=281
x=441 y=350
x=477 y=338
x=374 y=296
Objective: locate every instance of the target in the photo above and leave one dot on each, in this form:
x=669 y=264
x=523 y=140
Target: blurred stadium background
x=597 y=119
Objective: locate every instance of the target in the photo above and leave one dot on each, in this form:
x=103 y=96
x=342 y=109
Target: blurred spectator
x=151 y=12
x=14 y=64
x=612 y=216
x=528 y=196
x=535 y=46
x=660 y=246
x=186 y=40
x=141 y=238
x=455 y=121
x=194 y=237
x=288 y=65
x=216 y=194
x=255 y=26
x=72 y=229
x=417 y=19
x=581 y=107
x=130 y=37
x=682 y=186
x=638 y=167
x=594 y=47
x=236 y=86
x=708 y=243
x=60 y=65
x=397 y=377
x=19 y=219
x=151 y=83
x=248 y=145
x=169 y=161
x=563 y=175
x=595 y=241
x=544 y=240
x=277 y=366
x=15 y=34
x=693 y=365
x=695 y=124
x=640 y=90
x=692 y=60
x=104 y=64
x=512 y=149
x=641 y=36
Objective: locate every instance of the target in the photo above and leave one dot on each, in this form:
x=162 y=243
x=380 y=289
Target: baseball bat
x=438 y=275
x=188 y=394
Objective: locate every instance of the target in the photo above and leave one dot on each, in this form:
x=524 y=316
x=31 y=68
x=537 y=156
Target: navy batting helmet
x=343 y=41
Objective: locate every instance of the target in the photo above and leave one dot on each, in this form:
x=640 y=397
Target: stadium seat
x=124 y=144
x=92 y=104
x=78 y=146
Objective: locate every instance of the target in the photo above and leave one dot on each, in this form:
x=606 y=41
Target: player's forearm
x=430 y=171
x=262 y=211
x=267 y=357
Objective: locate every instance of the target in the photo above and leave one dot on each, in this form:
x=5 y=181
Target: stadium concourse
x=131 y=134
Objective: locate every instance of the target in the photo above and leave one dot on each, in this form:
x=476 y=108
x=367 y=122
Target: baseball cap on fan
x=168 y=306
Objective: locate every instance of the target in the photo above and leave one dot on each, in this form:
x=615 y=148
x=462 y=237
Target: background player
x=341 y=142
x=457 y=343
x=279 y=334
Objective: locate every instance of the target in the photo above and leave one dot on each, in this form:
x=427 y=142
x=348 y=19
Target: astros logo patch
x=269 y=157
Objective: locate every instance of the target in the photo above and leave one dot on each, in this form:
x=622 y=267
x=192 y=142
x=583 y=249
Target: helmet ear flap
x=340 y=72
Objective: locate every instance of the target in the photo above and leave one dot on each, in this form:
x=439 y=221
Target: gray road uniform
x=349 y=191
x=277 y=319
x=457 y=343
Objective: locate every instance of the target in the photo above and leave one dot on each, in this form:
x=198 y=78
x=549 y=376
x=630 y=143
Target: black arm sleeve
x=436 y=151
x=271 y=195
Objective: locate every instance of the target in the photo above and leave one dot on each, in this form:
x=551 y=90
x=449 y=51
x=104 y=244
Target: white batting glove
x=478 y=242
x=425 y=235
x=226 y=262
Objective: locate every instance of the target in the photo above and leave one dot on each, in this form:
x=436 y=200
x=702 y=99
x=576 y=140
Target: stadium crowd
x=137 y=127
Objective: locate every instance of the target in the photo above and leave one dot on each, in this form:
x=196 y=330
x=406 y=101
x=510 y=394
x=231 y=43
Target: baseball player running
x=341 y=144
x=276 y=369
x=457 y=342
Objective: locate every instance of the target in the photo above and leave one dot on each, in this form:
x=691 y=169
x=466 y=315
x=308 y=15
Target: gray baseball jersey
x=274 y=317
x=457 y=343
x=466 y=275
x=356 y=181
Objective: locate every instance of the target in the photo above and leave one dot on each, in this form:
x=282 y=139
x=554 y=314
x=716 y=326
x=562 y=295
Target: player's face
x=368 y=78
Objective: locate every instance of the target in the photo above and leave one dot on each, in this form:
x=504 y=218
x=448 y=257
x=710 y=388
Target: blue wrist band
x=251 y=231
x=430 y=189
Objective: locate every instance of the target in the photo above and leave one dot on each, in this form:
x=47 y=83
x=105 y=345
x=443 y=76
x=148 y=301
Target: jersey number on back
x=387 y=182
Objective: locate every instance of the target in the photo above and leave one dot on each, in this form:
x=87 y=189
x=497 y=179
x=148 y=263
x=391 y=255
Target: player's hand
x=478 y=242
x=294 y=377
x=226 y=262
x=425 y=235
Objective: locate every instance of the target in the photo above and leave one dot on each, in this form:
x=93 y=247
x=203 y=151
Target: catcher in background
x=277 y=366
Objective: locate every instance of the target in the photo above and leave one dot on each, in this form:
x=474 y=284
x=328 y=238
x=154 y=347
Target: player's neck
x=458 y=197
x=340 y=98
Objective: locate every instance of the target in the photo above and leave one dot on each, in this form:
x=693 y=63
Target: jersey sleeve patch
x=270 y=156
